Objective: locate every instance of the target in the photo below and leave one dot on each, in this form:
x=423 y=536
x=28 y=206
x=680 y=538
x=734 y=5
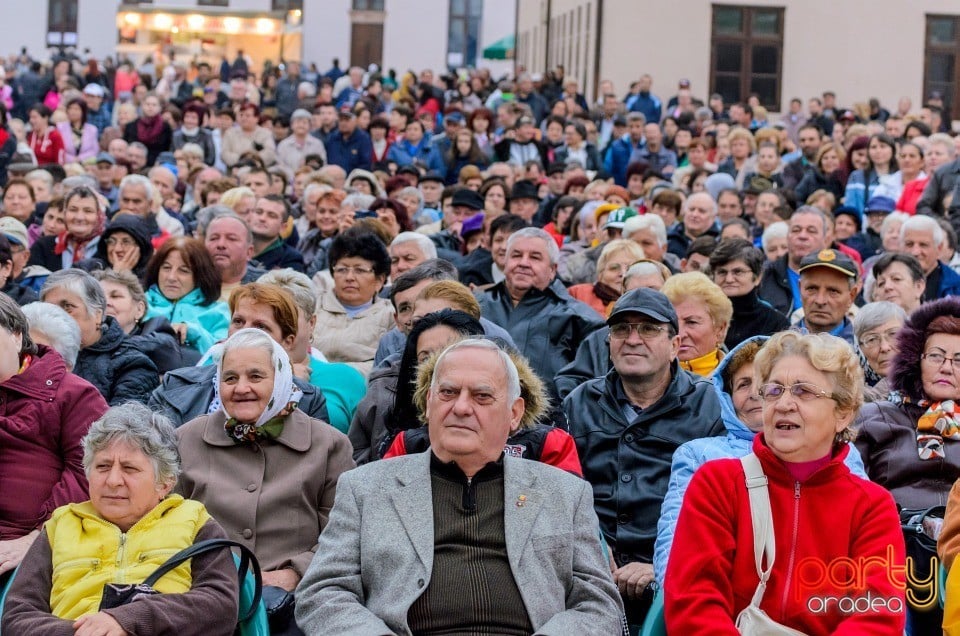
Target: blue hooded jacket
x=693 y=454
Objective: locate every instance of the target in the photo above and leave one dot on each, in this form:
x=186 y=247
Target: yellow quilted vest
x=89 y=552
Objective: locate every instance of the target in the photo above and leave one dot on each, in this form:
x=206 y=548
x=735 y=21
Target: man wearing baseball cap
x=347 y=146
x=646 y=396
x=829 y=283
x=98 y=112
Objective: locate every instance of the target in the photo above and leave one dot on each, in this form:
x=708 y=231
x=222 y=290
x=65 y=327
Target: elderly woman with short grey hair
x=875 y=330
x=108 y=358
x=52 y=326
x=130 y=525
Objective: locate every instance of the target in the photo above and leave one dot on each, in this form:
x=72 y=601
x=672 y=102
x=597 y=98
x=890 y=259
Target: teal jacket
x=206 y=324
x=342 y=385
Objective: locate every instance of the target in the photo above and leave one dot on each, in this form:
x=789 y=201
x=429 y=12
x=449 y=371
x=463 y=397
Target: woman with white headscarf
x=263 y=468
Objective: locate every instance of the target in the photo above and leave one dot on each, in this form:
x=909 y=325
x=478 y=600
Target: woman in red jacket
x=44 y=414
x=839 y=562
x=45 y=142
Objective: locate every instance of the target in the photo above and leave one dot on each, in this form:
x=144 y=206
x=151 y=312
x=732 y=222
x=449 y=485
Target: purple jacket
x=89 y=144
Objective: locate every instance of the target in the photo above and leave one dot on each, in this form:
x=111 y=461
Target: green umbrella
x=502 y=49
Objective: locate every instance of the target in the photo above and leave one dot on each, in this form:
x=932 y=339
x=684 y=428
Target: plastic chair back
x=655 y=624
x=257 y=624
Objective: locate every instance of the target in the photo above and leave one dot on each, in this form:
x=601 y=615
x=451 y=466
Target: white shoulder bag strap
x=764 y=547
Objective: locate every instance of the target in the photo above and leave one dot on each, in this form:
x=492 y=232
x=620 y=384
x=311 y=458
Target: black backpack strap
x=247 y=558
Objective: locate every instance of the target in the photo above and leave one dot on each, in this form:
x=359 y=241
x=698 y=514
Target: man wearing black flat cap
x=524 y=199
x=627 y=426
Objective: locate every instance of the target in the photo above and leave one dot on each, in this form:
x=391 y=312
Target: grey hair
x=893 y=217
x=41 y=175
x=705 y=195
x=923 y=223
x=534 y=232
x=873 y=315
x=139 y=145
x=480 y=342
x=650 y=222
x=248 y=339
x=423 y=242
x=411 y=191
x=942 y=139
x=156 y=170
x=205 y=216
x=809 y=209
x=643 y=268
x=78 y=181
x=145 y=429
x=636 y=116
x=137 y=180
x=316 y=187
x=298 y=284
x=57 y=327
x=359 y=201
x=80 y=283
x=309 y=89
x=777 y=230
x=194 y=150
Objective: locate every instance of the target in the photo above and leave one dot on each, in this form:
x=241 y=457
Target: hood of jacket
x=734 y=425
x=137 y=228
x=111 y=337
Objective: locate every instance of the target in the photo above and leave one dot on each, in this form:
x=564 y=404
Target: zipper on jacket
x=793 y=549
x=120 y=557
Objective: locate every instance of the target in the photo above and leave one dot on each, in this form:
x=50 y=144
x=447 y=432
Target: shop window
x=940 y=71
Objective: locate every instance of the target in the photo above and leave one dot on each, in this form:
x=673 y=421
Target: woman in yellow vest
x=128 y=528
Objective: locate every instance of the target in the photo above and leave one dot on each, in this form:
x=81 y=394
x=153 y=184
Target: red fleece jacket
x=832 y=515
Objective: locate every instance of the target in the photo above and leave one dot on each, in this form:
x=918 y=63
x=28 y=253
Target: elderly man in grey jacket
x=517 y=540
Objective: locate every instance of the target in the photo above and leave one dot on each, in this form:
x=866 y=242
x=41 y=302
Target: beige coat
x=275 y=497
x=351 y=340
x=236 y=142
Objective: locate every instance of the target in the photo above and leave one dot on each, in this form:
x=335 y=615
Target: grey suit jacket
x=375 y=556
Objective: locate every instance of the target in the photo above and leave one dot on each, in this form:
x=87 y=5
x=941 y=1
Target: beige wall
x=572 y=41
x=858 y=48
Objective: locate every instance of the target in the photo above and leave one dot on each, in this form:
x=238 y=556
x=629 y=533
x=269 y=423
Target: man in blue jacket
x=922 y=237
x=349 y=147
x=646 y=102
x=618 y=156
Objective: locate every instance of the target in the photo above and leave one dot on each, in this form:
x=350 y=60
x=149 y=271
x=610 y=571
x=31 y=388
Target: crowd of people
x=457 y=354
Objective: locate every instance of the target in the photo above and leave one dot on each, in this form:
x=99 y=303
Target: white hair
x=876 y=314
x=56 y=326
x=307 y=89
x=651 y=222
x=923 y=223
x=894 y=217
x=194 y=150
x=941 y=139
x=137 y=180
x=298 y=284
x=713 y=204
x=777 y=230
x=426 y=246
x=359 y=201
x=480 y=342
x=553 y=251
x=40 y=175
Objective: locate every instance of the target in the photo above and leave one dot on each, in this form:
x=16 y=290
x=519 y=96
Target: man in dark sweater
x=462 y=516
x=266 y=223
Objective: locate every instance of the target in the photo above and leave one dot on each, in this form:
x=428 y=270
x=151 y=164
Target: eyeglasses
x=738 y=272
x=803 y=391
x=114 y=241
x=356 y=271
x=646 y=330
x=937 y=359
x=873 y=340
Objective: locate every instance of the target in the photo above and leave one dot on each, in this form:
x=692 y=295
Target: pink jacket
x=89 y=144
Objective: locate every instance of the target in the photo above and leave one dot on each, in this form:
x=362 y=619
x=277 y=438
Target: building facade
x=779 y=49
x=399 y=34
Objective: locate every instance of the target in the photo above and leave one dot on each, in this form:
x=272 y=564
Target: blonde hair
x=767 y=135
x=696 y=286
x=453 y=292
x=741 y=133
x=233 y=196
x=536 y=403
x=620 y=246
x=825 y=353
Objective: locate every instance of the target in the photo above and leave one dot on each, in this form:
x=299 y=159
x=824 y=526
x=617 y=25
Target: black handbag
x=279 y=604
x=922 y=552
x=118 y=594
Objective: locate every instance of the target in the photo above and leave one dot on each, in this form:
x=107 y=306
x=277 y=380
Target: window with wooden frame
x=941 y=73
x=746 y=53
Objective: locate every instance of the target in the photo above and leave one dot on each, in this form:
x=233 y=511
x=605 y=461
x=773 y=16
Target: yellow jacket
x=89 y=552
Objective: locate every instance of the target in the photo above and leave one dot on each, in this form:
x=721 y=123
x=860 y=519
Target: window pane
x=458 y=7
x=766 y=88
x=764 y=59
x=765 y=23
x=729 y=58
x=728 y=86
x=727 y=20
x=476 y=8
x=456 y=43
x=941 y=67
x=941 y=30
